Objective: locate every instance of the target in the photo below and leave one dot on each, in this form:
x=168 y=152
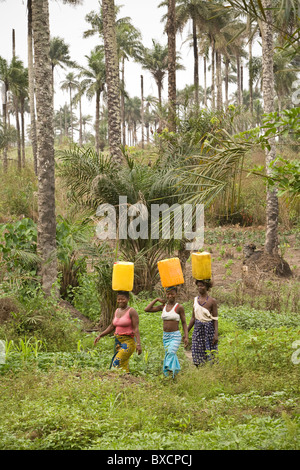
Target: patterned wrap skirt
x=171 y=342
x=124 y=347
x=203 y=349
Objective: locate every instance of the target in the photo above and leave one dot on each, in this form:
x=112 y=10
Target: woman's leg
x=172 y=342
x=124 y=346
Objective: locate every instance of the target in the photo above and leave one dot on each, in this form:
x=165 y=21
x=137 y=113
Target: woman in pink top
x=125 y=323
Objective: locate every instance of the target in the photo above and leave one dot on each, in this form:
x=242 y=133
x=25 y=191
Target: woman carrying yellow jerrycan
x=205 y=312
x=125 y=321
x=172 y=313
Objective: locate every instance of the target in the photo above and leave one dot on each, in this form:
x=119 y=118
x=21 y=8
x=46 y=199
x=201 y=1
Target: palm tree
x=271 y=242
x=155 y=60
x=5 y=78
x=93 y=81
x=86 y=119
x=171 y=31
x=77 y=100
x=62 y=121
x=33 y=132
x=19 y=88
x=31 y=77
x=70 y=83
x=59 y=55
x=284 y=76
x=133 y=116
x=128 y=43
x=45 y=144
x=198 y=12
x=112 y=79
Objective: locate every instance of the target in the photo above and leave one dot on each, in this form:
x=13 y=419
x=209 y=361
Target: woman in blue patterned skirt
x=205 y=322
x=172 y=313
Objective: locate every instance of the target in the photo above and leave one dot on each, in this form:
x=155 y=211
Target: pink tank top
x=124 y=324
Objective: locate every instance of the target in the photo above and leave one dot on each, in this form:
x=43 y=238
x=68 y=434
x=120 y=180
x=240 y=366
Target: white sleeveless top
x=202 y=313
x=171 y=315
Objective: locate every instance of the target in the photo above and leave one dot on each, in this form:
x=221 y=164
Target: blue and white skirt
x=171 y=342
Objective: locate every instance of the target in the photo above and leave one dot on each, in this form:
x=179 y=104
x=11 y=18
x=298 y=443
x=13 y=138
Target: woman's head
x=171 y=293
x=122 y=298
x=203 y=284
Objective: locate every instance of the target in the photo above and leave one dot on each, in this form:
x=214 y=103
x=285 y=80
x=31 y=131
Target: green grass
x=70 y=400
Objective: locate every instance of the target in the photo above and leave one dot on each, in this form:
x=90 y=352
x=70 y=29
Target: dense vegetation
x=69 y=400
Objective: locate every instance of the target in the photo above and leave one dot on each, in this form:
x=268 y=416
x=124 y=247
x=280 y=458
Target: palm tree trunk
x=71 y=114
x=227 y=62
x=23 y=133
x=159 y=88
x=142 y=111
x=80 y=122
x=66 y=121
x=205 y=84
x=219 y=80
x=238 y=78
x=112 y=79
x=123 y=103
x=97 y=122
x=242 y=85
x=250 y=74
x=4 y=112
x=45 y=145
x=213 y=98
x=271 y=241
x=16 y=105
x=171 y=30
x=196 y=63
x=60 y=127
x=31 y=86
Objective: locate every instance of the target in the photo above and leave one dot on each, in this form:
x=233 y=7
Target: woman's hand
x=186 y=341
x=97 y=339
x=139 y=349
x=215 y=339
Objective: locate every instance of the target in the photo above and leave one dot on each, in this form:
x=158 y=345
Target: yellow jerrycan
x=123 y=276
x=170 y=272
x=201 y=265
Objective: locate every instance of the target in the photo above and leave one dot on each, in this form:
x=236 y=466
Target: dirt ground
x=230 y=265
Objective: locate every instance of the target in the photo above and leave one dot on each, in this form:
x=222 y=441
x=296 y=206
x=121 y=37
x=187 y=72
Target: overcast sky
x=69 y=23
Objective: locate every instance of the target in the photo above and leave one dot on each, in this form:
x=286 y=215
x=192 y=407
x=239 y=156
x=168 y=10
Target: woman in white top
x=205 y=322
x=172 y=312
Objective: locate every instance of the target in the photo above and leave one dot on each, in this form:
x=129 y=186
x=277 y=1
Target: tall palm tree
x=5 y=79
x=128 y=43
x=198 y=12
x=128 y=40
x=86 y=119
x=155 y=60
x=264 y=15
x=70 y=83
x=133 y=116
x=77 y=100
x=272 y=211
x=285 y=74
x=171 y=31
x=93 y=80
x=112 y=80
x=45 y=144
x=19 y=89
x=33 y=131
x=59 y=55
